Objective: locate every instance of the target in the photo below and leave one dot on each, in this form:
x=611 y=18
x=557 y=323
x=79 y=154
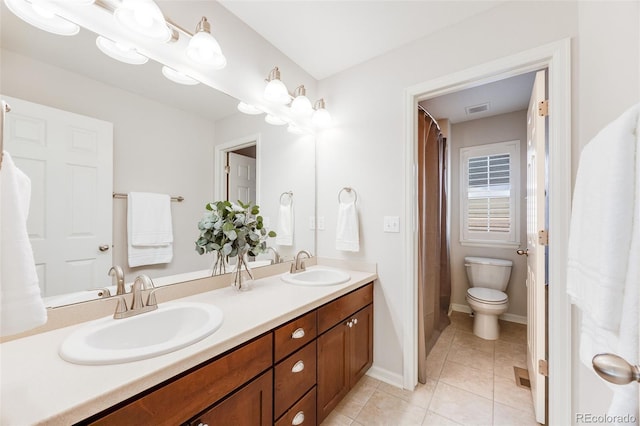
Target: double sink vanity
x=284 y=353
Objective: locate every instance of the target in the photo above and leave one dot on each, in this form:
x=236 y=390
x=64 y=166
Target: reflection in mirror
x=167 y=138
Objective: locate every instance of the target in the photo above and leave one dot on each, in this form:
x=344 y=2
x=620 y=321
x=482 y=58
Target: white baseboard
x=386 y=376
x=506 y=317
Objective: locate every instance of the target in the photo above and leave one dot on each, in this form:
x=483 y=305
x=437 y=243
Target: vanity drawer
x=293 y=377
x=294 y=335
x=302 y=413
x=340 y=309
x=181 y=399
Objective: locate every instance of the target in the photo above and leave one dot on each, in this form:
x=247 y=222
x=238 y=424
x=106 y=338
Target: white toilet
x=488 y=279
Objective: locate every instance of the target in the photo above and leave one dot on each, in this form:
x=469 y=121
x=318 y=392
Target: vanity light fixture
x=275 y=90
x=178 y=77
x=296 y=130
x=276 y=121
x=249 y=109
x=144 y=18
x=321 y=116
x=40 y=14
x=301 y=105
x=203 y=48
x=120 y=51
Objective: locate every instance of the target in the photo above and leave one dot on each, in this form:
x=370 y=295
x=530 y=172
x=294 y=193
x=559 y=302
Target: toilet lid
x=487 y=295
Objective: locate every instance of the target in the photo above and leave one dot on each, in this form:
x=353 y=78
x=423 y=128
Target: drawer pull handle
x=202 y=424
x=350 y=323
x=298 y=419
x=297 y=367
x=298 y=334
x=355 y=321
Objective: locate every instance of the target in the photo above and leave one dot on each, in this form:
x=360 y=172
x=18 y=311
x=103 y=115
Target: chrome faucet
x=119 y=275
x=298 y=265
x=138 y=306
x=276 y=255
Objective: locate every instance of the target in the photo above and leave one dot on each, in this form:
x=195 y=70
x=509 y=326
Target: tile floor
x=470 y=381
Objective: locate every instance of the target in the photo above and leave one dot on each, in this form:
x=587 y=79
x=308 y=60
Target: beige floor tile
x=420 y=396
x=462 y=321
x=503 y=415
x=505 y=361
x=468 y=378
x=461 y=406
x=508 y=393
x=472 y=358
x=385 y=409
x=337 y=419
x=353 y=402
x=470 y=340
x=433 y=419
x=435 y=361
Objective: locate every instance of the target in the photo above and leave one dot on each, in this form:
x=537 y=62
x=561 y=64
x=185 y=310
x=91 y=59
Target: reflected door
x=241 y=178
x=68 y=158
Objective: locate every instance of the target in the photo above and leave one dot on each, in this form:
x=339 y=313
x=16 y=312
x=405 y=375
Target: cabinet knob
x=298 y=419
x=297 y=367
x=355 y=321
x=350 y=323
x=298 y=334
x=202 y=424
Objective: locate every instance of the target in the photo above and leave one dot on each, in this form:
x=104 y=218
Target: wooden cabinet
x=345 y=351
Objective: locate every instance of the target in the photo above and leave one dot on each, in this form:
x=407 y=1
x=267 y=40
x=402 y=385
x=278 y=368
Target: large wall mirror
x=167 y=138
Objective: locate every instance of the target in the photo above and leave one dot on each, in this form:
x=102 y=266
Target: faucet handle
x=121 y=307
x=151 y=299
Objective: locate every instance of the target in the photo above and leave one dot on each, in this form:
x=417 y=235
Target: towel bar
x=179 y=198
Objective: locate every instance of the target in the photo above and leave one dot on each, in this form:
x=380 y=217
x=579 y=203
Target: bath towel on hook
x=347 y=228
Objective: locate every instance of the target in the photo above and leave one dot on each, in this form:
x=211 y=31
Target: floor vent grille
x=522 y=377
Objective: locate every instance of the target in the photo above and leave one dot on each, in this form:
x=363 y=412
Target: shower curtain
x=434 y=282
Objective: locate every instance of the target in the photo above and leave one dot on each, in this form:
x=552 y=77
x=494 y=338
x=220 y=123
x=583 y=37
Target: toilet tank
x=488 y=272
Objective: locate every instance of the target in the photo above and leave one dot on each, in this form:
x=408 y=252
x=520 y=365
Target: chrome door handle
x=104 y=247
x=524 y=252
x=615 y=369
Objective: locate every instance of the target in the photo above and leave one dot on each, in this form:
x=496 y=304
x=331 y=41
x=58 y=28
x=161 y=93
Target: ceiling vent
x=477 y=108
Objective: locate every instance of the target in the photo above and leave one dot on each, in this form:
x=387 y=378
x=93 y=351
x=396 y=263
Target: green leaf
x=272 y=234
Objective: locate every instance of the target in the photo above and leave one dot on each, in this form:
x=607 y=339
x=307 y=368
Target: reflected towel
x=347 y=233
x=284 y=232
x=604 y=248
x=21 y=305
x=149 y=229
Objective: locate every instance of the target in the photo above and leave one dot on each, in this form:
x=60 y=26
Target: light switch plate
x=320 y=223
x=312 y=222
x=391 y=224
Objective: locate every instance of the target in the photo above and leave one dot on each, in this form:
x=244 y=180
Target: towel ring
x=349 y=190
x=288 y=193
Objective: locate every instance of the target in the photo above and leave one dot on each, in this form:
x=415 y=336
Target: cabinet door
x=333 y=369
x=360 y=344
x=250 y=406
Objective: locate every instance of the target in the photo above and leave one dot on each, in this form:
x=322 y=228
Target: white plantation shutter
x=489 y=188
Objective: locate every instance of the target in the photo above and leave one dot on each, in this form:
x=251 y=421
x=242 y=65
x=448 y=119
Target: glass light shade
x=249 y=109
x=321 y=118
x=276 y=121
x=277 y=92
x=178 y=77
x=144 y=18
x=120 y=52
x=301 y=105
x=203 y=48
x=38 y=14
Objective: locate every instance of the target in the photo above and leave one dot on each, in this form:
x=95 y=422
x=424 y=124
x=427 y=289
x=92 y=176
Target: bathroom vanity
x=285 y=355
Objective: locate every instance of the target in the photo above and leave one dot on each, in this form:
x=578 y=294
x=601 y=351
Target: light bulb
x=40 y=14
x=204 y=48
x=275 y=90
x=321 y=116
x=144 y=18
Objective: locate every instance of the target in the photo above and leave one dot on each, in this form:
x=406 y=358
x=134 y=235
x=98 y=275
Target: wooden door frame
x=556 y=57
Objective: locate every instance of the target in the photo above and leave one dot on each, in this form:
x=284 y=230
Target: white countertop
x=38 y=387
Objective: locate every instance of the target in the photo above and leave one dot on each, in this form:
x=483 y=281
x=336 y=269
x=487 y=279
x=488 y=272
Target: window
x=489 y=191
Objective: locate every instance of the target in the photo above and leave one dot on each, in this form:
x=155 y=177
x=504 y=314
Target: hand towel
x=149 y=229
x=604 y=248
x=21 y=305
x=284 y=231
x=347 y=233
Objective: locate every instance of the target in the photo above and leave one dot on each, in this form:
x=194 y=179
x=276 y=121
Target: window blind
x=489 y=193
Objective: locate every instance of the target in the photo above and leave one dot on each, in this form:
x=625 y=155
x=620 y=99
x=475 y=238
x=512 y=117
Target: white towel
x=604 y=248
x=284 y=232
x=149 y=228
x=21 y=305
x=347 y=234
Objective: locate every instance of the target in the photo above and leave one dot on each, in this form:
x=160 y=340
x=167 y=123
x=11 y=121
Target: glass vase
x=220 y=264
x=242 y=275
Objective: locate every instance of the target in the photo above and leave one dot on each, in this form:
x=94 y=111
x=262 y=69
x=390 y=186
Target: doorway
x=237 y=170
x=555 y=57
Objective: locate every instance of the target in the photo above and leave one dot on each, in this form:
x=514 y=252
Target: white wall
x=499 y=128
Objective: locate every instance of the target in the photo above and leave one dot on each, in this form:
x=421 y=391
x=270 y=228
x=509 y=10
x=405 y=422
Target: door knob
x=104 y=247
x=524 y=252
x=615 y=369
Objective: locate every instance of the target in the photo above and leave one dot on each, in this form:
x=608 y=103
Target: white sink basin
x=172 y=326
x=317 y=277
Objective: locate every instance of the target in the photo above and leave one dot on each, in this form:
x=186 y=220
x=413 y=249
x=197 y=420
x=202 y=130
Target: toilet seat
x=487 y=295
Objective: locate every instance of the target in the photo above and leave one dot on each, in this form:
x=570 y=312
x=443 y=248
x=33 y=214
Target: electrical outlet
x=391 y=224
x=312 y=222
x=320 y=223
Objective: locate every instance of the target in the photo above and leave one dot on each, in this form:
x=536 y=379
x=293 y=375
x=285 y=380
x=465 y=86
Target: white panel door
x=242 y=178
x=536 y=305
x=69 y=159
